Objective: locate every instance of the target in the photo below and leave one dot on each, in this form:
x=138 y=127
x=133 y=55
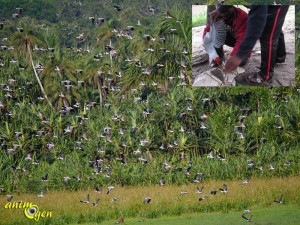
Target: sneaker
x=280 y=61
x=256 y=80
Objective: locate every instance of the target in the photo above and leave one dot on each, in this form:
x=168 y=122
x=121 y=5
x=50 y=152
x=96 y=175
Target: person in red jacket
x=236 y=25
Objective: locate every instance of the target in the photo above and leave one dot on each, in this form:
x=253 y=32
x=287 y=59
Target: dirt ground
x=284 y=73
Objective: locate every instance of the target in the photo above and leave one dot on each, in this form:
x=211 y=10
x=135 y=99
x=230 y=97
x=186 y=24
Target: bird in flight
x=213 y=192
x=42 y=194
x=109 y=189
x=96 y=202
x=202 y=198
x=280 y=200
x=162 y=181
x=147 y=200
x=9 y=197
x=247 y=219
x=118 y=8
x=87 y=200
x=199 y=190
x=224 y=189
x=45 y=178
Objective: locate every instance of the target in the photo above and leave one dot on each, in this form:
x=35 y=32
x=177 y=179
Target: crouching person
x=236 y=26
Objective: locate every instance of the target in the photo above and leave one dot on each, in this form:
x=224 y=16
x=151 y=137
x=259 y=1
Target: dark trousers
x=272 y=41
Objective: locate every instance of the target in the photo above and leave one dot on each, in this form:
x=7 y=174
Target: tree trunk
x=37 y=76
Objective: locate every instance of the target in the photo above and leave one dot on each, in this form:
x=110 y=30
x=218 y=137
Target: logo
x=31 y=211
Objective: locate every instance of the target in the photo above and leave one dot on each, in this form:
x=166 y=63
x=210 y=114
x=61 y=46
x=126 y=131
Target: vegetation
x=199 y=19
x=258 y=194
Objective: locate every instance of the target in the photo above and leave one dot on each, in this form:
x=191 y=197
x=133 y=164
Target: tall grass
x=166 y=201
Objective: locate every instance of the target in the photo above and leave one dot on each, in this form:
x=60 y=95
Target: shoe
x=279 y=61
x=256 y=80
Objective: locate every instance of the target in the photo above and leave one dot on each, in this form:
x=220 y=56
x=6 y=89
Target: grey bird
x=99 y=190
x=215 y=38
x=147 y=200
x=45 y=178
x=247 y=219
x=87 y=200
x=213 y=192
x=199 y=190
x=109 y=189
x=9 y=197
x=224 y=189
x=202 y=198
x=280 y=200
x=96 y=202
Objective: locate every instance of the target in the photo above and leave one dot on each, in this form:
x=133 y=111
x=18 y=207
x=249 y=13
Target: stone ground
x=284 y=74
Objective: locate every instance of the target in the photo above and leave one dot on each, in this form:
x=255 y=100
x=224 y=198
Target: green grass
x=274 y=215
x=199 y=19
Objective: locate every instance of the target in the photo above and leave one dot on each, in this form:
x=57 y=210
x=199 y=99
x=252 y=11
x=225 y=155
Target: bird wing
x=247 y=219
x=45 y=177
x=218 y=33
x=280 y=198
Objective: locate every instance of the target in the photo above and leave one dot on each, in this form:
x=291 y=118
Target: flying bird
x=99 y=190
x=199 y=190
x=147 y=200
x=202 y=198
x=213 y=192
x=247 y=219
x=9 y=197
x=45 y=178
x=87 y=200
x=224 y=189
x=118 y=8
x=280 y=200
x=162 y=181
x=109 y=189
x=42 y=194
x=96 y=202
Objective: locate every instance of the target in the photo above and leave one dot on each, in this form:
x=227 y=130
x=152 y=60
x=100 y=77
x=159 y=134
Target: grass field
x=275 y=215
x=258 y=194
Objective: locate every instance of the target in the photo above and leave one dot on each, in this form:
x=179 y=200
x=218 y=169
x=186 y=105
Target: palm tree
x=23 y=43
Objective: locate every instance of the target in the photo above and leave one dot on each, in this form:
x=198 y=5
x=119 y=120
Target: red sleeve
x=206 y=29
x=239 y=26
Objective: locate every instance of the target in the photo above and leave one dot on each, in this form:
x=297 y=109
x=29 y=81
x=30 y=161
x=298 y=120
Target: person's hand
x=231 y=64
x=206 y=29
x=214 y=15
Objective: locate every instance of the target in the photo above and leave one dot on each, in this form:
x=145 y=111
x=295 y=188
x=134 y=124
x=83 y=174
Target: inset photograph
x=234 y=45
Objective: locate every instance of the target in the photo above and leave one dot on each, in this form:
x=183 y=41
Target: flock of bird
x=147 y=200
x=100 y=162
